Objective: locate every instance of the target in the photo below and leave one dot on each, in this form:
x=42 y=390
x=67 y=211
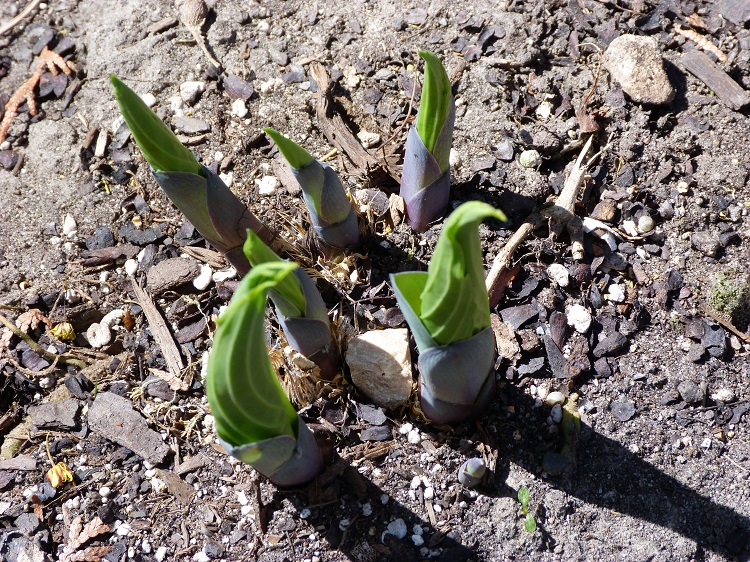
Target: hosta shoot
x=331 y=213
x=425 y=181
x=255 y=421
x=448 y=312
x=199 y=193
x=300 y=309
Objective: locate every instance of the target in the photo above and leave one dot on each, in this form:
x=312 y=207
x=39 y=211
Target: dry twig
x=560 y=214
x=47 y=59
x=61 y=359
x=5 y=28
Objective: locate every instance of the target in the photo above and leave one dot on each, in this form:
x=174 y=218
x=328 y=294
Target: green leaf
x=297 y=156
x=288 y=298
x=435 y=102
x=454 y=303
x=157 y=142
x=523 y=497
x=529 y=523
x=246 y=398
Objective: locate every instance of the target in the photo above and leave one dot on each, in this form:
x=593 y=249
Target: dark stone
x=415 y=16
x=61 y=414
x=517 y=316
x=626 y=177
x=46 y=491
x=278 y=56
x=79 y=386
x=237 y=88
x=503 y=150
x=557 y=362
x=294 y=74
x=27 y=523
x=729 y=237
x=533 y=366
x=102 y=238
x=131 y=234
x=157 y=388
x=106 y=513
x=371 y=414
x=481 y=164
x=611 y=345
x=696 y=352
x=558 y=328
x=595 y=296
x=706 y=243
x=691 y=392
x=622 y=411
x=669 y=397
x=714 y=339
x=186 y=235
x=8 y=159
x=33 y=361
x=603 y=368
x=376 y=433
x=191 y=331
x=6 y=479
x=170 y=274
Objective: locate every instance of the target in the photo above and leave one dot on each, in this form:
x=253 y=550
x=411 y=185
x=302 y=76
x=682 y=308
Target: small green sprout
x=255 y=421
x=448 y=312
x=425 y=181
x=529 y=523
x=300 y=309
x=196 y=191
x=331 y=213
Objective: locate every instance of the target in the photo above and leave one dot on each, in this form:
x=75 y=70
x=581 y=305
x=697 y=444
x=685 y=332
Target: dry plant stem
x=193 y=16
x=62 y=359
x=561 y=212
x=47 y=59
x=16 y=20
x=336 y=131
x=703 y=42
x=160 y=331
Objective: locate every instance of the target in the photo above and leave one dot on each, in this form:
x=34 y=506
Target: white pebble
x=267 y=185
x=397 y=528
x=204 y=278
x=98 y=335
x=69 y=226
x=149 y=99
x=189 y=91
x=105 y=491
x=530 y=159
x=131 y=266
x=429 y=493
x=112 y=317
x=384 y=498
x=579 y=318
x=406 y=428
x=227 y=178
x=367 y=509
x=201 y=556
x=416 y=482
x=224 y=275
x=417 y=540
x=101 y=143
x=146 y=547
x=123 y=529
x=455 y=158
x=645 y=224
x=414 y=437
x=558 y=273
x=555 y=398
x=161 y=554
x=616 y=293
x=239 y=108
x=723 y=395
x=630 y=228
x=368 y=139
x=305 y=513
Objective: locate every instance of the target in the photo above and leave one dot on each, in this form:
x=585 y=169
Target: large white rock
x=380 y=365
x=636 y=63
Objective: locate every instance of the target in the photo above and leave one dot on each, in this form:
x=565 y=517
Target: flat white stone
x=380 y=365
x=267 y=185
x=204 y=278
x=579 y=318
x=558 y=273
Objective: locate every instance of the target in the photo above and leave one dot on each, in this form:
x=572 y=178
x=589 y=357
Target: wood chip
x=175 y=383
x=181 y=490
x=708 y=72
x=160 y=331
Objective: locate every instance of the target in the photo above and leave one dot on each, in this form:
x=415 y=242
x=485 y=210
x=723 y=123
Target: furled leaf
x=523 y=497
x=297 y=156
x=529 y=523
x=435 y=102
x=246 y=398
x=454 y=304
x=159 y=145
x=288 y=298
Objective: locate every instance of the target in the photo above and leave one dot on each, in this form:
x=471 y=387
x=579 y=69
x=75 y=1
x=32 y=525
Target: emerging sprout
x=471 y=472
x=300 y=309
x=529 y=523
x=255 y=421
x=425 y=181
x=331 y=213
x=448 y=312
x=196 y=191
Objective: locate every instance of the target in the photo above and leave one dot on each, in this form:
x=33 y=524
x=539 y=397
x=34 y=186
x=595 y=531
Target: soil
x=660 y=467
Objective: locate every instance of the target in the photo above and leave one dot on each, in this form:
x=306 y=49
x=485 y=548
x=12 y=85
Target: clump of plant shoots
x=529 y=523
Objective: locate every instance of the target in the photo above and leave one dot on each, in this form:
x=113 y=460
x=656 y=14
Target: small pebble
x=455 y=158
x=616 y=293
x=579 y=318
x=416 y=482
x=191 y=90
x=239 y=108
x=417 y=540
x=267 y=185
x=161 y=554
x=558 y=273
x=414 y=437
x=69 y=226
x=622 y=411
x=645 y=224
x=105 y=491
x=555 y=398
x=723 y=395
x=368 y=139
x=131 y=266
x=397 y=528
x=530 y=159
x=224 y=275
x=204 y=278
x=556 y=413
